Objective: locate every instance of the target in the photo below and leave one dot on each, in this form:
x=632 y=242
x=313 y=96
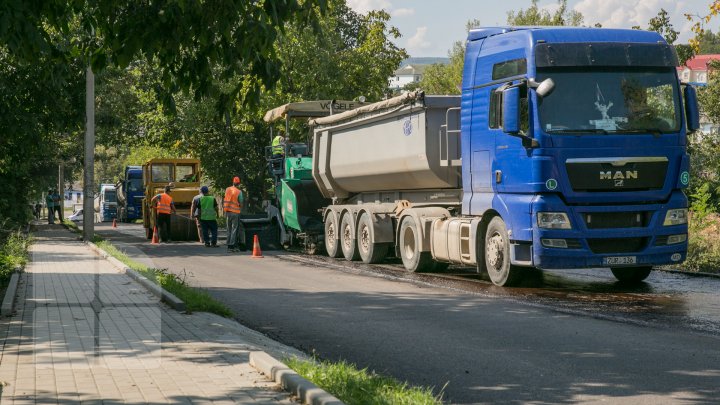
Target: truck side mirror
x=692 y=111
x=511 y=110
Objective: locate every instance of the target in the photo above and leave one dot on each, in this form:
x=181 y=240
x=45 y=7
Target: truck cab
x=106 y=202
x=575 y=139
x=183 y=176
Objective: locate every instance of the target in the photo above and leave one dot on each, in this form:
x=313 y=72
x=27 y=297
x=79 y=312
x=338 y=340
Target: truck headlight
x=553 y=220
x=676 y=217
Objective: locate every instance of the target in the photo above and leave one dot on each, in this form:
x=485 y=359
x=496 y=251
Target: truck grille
x=617 y=174
x=605 y=220
x=617 y=245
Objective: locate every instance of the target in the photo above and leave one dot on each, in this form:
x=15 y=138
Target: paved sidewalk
x=84 y=332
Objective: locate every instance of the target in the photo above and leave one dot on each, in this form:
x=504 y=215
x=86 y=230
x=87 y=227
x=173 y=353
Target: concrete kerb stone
x=307 y=392
x=9 y=300
x=167 y=297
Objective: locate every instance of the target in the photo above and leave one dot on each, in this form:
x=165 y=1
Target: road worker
x=232 y=205
x=195 y=213
x=50 y=204
x=164 y=207
x=208 y=217
x=278 y=145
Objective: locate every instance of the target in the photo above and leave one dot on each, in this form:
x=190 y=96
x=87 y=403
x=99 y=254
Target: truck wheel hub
x=495 y=252
x=364 y=238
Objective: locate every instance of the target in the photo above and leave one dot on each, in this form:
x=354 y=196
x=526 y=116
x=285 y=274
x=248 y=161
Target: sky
x=430 y=27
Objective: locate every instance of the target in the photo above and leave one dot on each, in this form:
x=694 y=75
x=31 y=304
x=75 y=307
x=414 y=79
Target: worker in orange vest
x=164 y=207
x=232 y=205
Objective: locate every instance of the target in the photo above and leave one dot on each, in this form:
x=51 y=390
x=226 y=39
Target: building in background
x=696 y=69
x=405 y=75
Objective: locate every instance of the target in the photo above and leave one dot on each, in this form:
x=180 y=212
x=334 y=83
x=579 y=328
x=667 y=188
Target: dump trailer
x=566 y=149
x=130 y=194
x=297 y=203
x=183 y=175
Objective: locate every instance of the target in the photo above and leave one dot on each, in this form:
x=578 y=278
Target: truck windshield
x=135 y=185
x=110 y=196
x=610 y=100
x=161 y=172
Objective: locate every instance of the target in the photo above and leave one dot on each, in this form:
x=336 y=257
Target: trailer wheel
x=332 y=243
x=497 y=254
x=413 y=259
x=369 y=252
x=631 y=275
x=347 y=239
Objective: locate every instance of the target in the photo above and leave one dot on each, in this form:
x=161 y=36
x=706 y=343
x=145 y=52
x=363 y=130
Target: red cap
x=236 y=179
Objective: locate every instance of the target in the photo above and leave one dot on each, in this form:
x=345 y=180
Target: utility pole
x=89 y=169
x=61 y=189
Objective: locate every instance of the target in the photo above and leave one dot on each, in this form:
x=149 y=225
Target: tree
x=349 y=56
x=661 y=24
x=537 y=16
x=709 y=43
x=193 y=43
x=447 y=78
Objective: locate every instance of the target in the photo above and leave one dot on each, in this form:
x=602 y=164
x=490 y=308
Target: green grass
x=354 y=386
x=195 y=299
x=13 y=252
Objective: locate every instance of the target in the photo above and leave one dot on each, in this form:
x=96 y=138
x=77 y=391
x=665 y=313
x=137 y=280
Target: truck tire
x=413 y=259
x=369 y=252
x=332 y=243
x=631 y=275
x=348 y=243
x=497 y=255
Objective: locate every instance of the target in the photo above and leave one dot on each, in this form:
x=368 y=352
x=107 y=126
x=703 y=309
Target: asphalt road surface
x=564 y=337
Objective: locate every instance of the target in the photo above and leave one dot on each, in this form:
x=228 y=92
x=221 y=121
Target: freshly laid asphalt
x=477 y=348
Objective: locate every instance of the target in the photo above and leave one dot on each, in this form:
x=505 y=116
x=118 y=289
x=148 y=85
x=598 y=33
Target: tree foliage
x=351 y=55
x=535 y=15
x=193 y=43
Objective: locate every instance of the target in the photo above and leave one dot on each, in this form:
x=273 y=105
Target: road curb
x=164 y=295
x=9 y=300
x=307 y=392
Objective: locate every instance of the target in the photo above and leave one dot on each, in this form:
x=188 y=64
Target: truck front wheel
x=631 y=275
x=332 y=244
x=347 y=238
x=497 y=255
x=413 y=259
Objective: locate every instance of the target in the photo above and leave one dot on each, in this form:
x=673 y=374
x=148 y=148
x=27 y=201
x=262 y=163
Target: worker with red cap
x=232 y=205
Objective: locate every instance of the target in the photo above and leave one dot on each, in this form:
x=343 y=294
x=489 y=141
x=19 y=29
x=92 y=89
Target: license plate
x=615 y=260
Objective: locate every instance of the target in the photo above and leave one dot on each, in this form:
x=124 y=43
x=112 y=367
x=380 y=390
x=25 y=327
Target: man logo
x=619 y=175
x=619 y=183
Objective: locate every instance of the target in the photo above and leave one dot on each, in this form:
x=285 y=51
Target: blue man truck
x=566 y=149
x=130 y=192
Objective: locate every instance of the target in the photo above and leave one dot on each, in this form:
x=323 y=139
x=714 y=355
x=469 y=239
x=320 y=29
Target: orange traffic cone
x=155 y=240
x=114 y=223
x=257 y=254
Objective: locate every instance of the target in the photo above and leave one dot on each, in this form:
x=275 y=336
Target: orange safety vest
x=164 y=204
x=231 y=203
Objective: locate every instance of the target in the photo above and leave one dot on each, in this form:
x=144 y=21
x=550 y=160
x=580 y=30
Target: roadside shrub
x=13 y=252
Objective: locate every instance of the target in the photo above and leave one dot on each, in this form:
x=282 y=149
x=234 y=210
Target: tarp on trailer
x=380 y=105
x=310 y=109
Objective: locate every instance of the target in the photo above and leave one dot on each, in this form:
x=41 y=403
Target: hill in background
x=426 y=60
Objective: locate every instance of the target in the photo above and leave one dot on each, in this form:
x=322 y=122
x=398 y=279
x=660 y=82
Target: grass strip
x=13 y=252
x=353 y=386
x=195 y=299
